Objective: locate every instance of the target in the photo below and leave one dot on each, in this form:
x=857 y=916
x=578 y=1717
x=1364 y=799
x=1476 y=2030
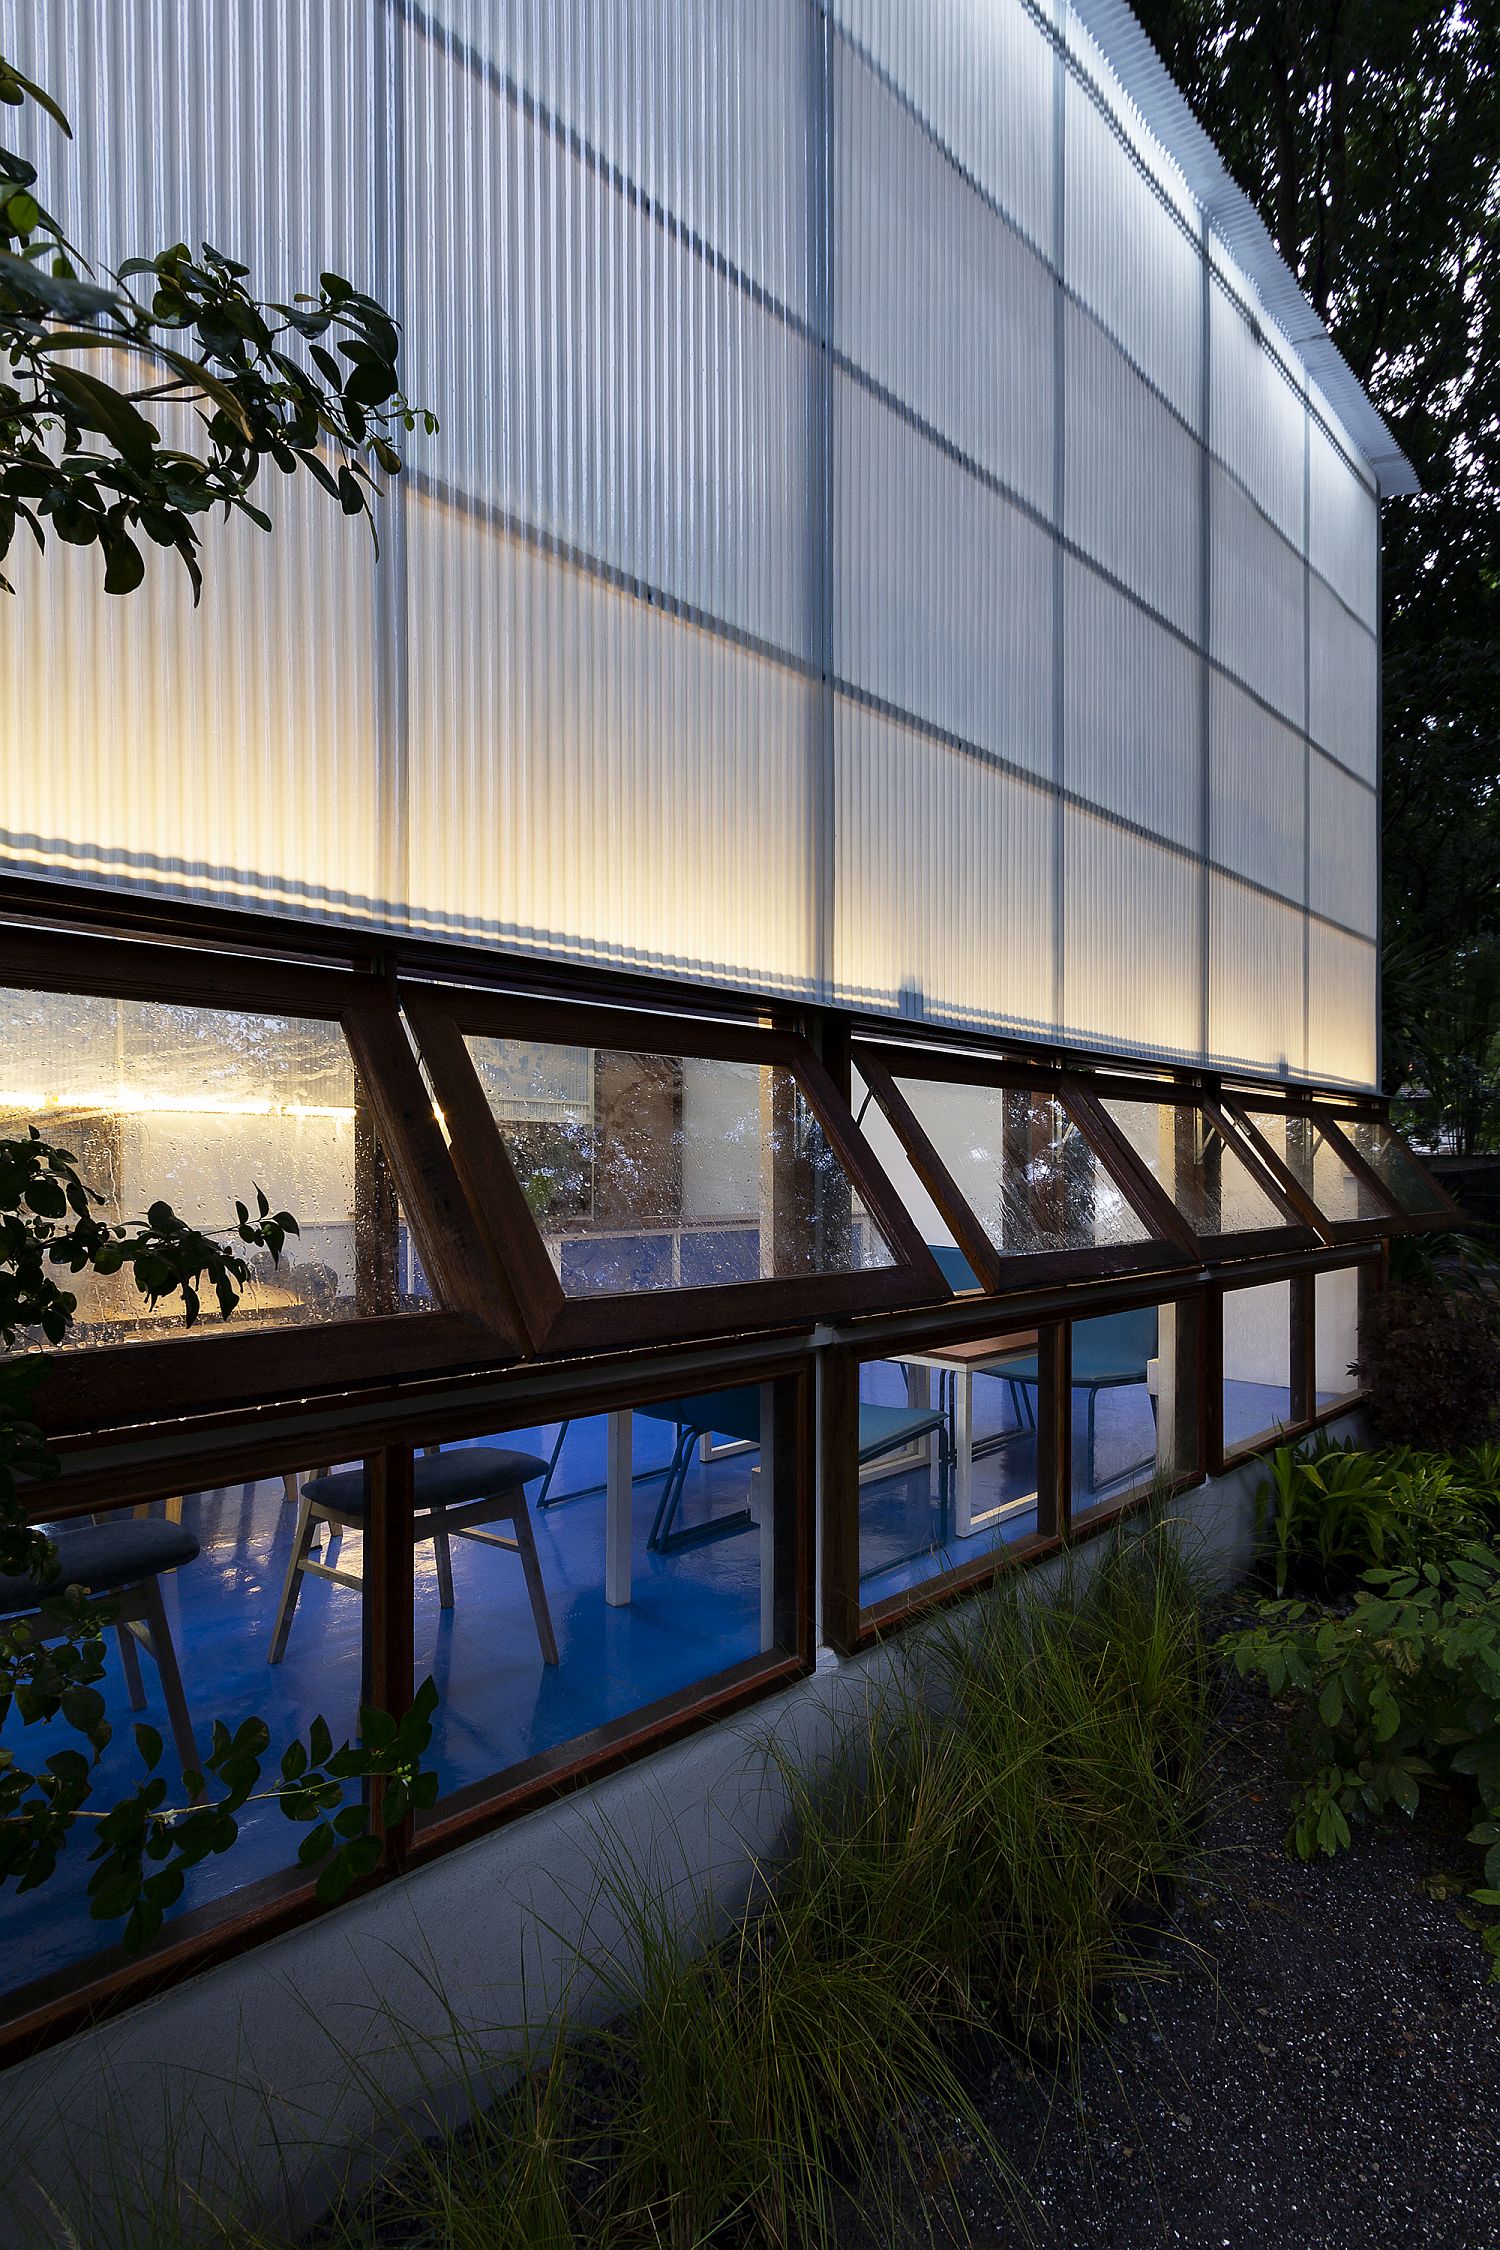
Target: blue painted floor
x=695 y=1613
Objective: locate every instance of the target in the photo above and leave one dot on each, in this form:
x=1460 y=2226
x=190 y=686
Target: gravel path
x=1315 y=2062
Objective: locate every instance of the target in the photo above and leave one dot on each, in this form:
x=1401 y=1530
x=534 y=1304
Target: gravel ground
x=1313 y=2060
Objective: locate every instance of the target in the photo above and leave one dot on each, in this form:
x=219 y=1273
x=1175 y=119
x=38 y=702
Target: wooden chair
x=454 y=1495
x=121 y=1562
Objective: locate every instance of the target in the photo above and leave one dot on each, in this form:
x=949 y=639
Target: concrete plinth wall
x=254 y=2086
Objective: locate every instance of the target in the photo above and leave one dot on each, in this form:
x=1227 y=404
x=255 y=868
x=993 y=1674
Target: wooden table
x=984 y=1356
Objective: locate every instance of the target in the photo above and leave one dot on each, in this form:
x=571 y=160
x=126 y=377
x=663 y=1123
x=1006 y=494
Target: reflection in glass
x=1022 y=1165
x=671 y=1171
x=197 y=1107
x=1257 y=1363
x=1318 y=1167
x=1393 y=1165
x=1337 y=1334
x=1212 y=1187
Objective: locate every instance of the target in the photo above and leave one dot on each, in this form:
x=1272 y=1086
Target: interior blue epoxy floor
x=694 y=1613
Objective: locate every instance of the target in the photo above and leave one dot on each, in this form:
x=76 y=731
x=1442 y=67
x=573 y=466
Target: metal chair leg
x=545 y=1497
x=173 y=1693
x=130 y=1665
x=444 y=1557
x=301 y=1548
x=531 y=1563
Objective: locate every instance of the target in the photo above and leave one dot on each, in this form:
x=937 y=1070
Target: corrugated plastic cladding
x=807 y=587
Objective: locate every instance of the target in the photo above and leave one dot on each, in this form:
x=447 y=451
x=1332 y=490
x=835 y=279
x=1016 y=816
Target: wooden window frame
x=1300 y=1346
x=1168 y=1245
x=1334 y=1231
x=104 y=1385
x=1447 y=1213
x=442 y=1016
x=65 y=2001
x=1251 y=1242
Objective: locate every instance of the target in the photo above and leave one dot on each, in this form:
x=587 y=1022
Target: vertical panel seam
x=1059 y=500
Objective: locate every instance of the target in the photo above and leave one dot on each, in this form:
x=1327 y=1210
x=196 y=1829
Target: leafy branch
x=80 y=453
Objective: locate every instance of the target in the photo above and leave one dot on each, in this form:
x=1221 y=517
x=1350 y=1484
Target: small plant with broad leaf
x=1401 y=1694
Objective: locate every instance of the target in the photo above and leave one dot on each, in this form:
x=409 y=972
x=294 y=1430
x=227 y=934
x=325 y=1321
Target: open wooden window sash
x=1294 y=1232
x=443 y=1019
x=137 y=1380
x=1392 y=1219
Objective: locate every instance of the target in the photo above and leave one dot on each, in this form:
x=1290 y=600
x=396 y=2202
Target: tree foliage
x=1367 y=134
x=92 y=368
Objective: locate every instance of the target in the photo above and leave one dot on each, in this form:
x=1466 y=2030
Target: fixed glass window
x=1336 y=1336
x=599 y=1573
x=1133 y=1379
x=1258 y=1399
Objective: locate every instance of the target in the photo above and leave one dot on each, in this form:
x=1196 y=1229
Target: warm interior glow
x=137 y=1104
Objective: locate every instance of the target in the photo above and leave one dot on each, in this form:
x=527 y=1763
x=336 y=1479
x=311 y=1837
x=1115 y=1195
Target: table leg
x=963 y=1451
x=619 y=1487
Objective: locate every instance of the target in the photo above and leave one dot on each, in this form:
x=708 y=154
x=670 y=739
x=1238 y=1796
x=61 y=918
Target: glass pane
x=197 y=1107
x=1337 y=1334
x=1318 y=1166
x=947 y=1460
x=1023 y=1167
x=898 y=1169
x=671 y=1171
x=1133 y=1402
x=1210 y=1185
x=1393 y=1164
x=657 y=1569
x=1257 y=1363
x=194 y=1584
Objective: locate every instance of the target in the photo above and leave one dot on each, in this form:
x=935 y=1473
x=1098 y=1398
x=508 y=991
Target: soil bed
x=1313 y=2059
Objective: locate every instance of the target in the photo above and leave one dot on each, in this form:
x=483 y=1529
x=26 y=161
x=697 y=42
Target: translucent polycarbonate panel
x=1341 y=1003
x=1343 y=837
x=943 y=885
x=979 y=76
x=1132 y=942
x=1257 y=1364
x=942 y=588
x=1256 y=971
x=1343 y=526
x=1319 y=1166
x=590 y=772
x=700 y=107
x=1131 y=260
x=1207 y=1180
x=1394 y=1165
x=1257 y=416
x=1022 y=1165
x=639 y=405
x=1133 y=478
x=934 y=290
x=1131 y=702
x=1336 y=1342
x=231 y=751
x=1258 y=600
x=1134 y=1403
x=1343 y=684
x=1257 y=778
x=199 y=1108
x=647 y=1171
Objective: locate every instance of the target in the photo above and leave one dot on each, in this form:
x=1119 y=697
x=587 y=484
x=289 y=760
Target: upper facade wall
x=874 y=550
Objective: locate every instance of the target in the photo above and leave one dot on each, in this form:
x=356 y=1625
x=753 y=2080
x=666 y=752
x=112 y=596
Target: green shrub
x=1332 y=1511
x=1401 y=1693
x=1429 y=1365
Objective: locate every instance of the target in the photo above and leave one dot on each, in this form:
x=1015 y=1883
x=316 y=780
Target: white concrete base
x=253 y=2086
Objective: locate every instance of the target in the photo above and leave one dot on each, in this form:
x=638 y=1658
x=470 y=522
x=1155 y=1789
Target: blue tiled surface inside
x=1254 y=1411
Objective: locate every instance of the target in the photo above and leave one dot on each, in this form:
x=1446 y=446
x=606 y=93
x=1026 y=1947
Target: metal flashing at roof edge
x=1240 y=227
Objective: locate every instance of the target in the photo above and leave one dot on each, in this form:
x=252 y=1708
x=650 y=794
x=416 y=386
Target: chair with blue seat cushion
x=454 y=1494
x=736 y=1415
x=121 y=1562
x=1112 y=1351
